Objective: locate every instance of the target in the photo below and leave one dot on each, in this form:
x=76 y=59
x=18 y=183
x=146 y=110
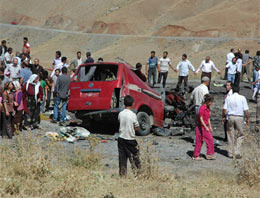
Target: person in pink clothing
x=204 y=130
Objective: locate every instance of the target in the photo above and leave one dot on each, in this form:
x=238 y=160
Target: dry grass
x=33 y=168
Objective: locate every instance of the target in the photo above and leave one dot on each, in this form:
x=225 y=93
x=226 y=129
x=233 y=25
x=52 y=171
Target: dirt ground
x=174 y=152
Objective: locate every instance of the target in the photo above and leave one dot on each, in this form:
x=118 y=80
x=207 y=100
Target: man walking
x=206 y=67
x=183 y=68
x=232 y=70
x=61 y=89
x=164 y=63
x=245 y=68
x=229 y=58
x=236 y=107
x=150 y=69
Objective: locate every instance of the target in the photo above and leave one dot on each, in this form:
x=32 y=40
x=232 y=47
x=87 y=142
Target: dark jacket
x=5 y=49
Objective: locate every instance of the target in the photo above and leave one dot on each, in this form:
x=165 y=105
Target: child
x=204 y=130
x=18 y=107
x=127 y=144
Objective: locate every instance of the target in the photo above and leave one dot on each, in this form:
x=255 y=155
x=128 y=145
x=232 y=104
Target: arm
x=247 y=116
x=178 y=67
x=203 y=123
x=210 y=126
x=158 y=67
x=215 y=68
x=224 y=111
x=146 y=68
x=201 y=65
x=192 y=68
x=5 y=100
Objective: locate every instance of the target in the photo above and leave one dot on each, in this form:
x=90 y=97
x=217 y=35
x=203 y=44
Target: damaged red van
x=97 y=92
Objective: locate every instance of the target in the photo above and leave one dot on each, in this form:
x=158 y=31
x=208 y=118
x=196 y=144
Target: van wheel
x=144 y=123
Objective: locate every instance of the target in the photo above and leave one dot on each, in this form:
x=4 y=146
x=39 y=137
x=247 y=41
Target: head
x=228 y=86
x=100 y=59
x=138 y=66
x=184 y=56
x=205 y=80
x=236 y=89
x=23 y=56
x=239 y=50
x=238 y=55
x=258 y=53
x=57 y=72
x=208 y=100
x=9 y=86
x=36 y=80
x=3 y=42
x=165 y=54
x=25 y=64
x=88 y=54
x=232 y=50
x=128 y=101
x=15 y=61
x=79 y=54
x=207 y=59
x=36 y=61
x=234 y=60
x=152 y=54
x=58 y=54
x=64 y=59
x=247 y=51
x=64 y=70
x=25 y=40
x=17 y=53
x=10 y=50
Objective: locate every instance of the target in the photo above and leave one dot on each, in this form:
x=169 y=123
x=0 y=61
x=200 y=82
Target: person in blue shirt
x=25 y=73
x=151 y=66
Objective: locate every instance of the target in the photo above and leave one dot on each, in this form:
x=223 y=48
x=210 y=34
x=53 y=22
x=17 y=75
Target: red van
x=97 y=92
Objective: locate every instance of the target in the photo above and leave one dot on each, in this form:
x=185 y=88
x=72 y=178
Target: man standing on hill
x=76 y=62
x=89 y=58
x=37 y=68
x=245 y=68
x=183 y=67
x=164 y=63
x=206 y=67
x=150 y=69
x=14 y=70
x=26 y=46
x=56 y=60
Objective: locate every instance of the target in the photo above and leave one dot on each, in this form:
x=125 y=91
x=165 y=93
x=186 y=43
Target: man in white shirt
x=239 y=57
x=60 y=65
x=232 y=70
x=57 y=59
x=8 y=56
x=14 y=70
x=229 y=58
x=164 y=64
x=236 y=107
x=206 y=67
x=183 y=68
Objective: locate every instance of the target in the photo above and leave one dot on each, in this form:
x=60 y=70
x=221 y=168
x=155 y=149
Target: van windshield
x=97 y=73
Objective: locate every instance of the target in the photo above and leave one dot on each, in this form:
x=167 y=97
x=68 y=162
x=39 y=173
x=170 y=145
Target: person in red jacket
x=32 y=97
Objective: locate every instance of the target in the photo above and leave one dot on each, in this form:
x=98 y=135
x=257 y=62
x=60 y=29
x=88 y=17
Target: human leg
x=207 y=136
x=239 y=135
x=159 y=78
x=63 y=110
x=56 y=108
x=258 y=110
x=180 y=78
x=154 y=76
x=185 y=78
x=122 y=157
x=164 y=75
x=149 y=76
x=132 y=151
x=230 y=137
x=48 y=101
x=43 y=104
x=199 y=142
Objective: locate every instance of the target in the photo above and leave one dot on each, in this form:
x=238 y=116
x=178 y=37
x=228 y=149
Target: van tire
x=144 y=124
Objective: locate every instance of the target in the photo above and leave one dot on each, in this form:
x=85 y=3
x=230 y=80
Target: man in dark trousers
x=127 y=144
x=61 y=90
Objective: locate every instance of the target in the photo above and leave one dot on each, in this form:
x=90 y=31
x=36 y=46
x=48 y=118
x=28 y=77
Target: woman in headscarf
x=18 y=107
x=8 y=110
x=32 y=97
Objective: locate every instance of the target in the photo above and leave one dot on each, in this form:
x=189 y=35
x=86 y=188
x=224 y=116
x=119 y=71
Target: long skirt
x=7 y=130
x=32 y=119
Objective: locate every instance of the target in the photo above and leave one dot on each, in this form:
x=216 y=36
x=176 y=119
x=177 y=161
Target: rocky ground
x=174 y=152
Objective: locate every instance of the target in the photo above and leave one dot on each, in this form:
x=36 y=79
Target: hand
x=195 y=73
x=15 y=104
x=159 y=70
x=223 y=120
x=146 y=73
x=247 y=122
x=219 y=73
x=207 y=129
x=7 y=114
x=211 y=130
x=39 y=100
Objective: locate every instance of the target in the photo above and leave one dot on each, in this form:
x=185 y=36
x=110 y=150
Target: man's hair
x=229 y=82
x=10 y=49
x=165 y=52
x=208 y=98
x=138 y=65
x=247 y=51
x=63 y=59
x=128 y=101
x=88 y=54
x=37 y=59
x=184 y=55
x=258 y=53
x=57 y=70
x=232 y=49
x=235 y=89
x=58 y=53
x=152 y=52
x=45 y=75
x=100 y=59
x=64 y=70
x=78 y=52
x=25 y=38
x=3 y=41
x=238 y=55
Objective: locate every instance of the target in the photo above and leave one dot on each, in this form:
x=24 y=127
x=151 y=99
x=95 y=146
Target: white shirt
x=56 y=61
x=239 y=65
x=207 y=67
x=236 y=105
x=128 y=123
x=184 y=67
x=198 y=94
x=59 y=66
x=14 y=70
x=7 y=57
x=164 y=64
x=232 y=68
x=229 y=57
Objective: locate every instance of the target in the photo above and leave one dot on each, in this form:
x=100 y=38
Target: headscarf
x=36 y=85
x=17 y=85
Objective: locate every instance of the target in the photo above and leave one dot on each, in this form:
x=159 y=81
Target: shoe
x=210 y=157
x=62 y=124
x=197 y=158
x=54 y=121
